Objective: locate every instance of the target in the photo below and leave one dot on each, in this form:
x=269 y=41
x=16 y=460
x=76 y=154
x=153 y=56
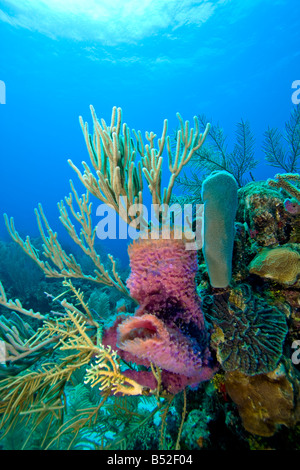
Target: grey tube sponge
x=219 y=194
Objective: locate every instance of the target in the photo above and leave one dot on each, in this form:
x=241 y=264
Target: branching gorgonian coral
x=286 y=157
x=214 y=156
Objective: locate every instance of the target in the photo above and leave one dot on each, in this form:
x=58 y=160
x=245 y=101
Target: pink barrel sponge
x=147 y=337
x=163 y=272
x=168 y=327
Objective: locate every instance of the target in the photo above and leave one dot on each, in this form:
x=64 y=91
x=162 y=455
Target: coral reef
x=74 y=332
x=76 y=373
x=195 y=430
x=244 y=250
x=284 y=182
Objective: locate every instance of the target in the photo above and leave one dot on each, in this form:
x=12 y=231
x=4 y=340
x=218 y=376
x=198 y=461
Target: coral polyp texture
x=168 y=327
x=282 y=264
x=262 y=208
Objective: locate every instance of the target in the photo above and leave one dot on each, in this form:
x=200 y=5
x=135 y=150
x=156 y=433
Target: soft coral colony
x=175 y=338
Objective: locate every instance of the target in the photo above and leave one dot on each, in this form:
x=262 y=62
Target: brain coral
x=282 y=264
x=248 y=338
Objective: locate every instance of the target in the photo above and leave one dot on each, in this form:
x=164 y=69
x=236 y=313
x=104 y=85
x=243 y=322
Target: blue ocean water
x=227 y=59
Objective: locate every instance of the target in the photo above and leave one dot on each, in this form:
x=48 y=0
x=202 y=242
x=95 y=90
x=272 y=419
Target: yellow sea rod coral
x=106 y=373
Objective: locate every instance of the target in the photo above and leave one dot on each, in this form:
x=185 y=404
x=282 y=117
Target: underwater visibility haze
x=150 y=237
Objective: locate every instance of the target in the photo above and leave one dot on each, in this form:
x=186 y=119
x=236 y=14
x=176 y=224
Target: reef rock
x=262 y=208
x=265 y=401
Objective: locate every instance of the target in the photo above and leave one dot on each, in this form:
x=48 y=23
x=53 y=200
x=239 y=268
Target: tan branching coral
x=119 y=182
x=64 y=265
x=113 y=152
x=21 y=345
x=284 y=182
x=17 y=306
